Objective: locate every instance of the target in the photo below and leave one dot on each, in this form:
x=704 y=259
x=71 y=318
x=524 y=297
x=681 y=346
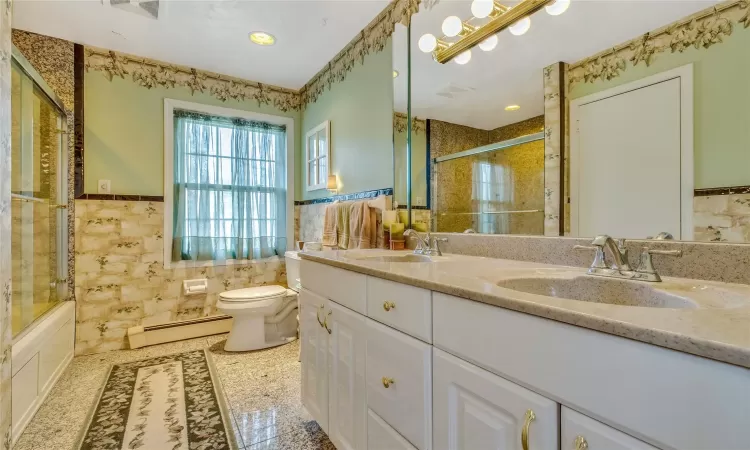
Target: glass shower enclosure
x=493 y=189
x=38 y=196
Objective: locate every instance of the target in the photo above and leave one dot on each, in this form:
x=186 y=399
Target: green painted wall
x=722 y=106
x=418 y=168
x=124 y=132
x=360 y=109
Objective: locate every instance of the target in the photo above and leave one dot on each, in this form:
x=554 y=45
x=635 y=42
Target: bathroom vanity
x=462 y=352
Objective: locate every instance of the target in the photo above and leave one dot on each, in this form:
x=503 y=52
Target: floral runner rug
x=169 y=402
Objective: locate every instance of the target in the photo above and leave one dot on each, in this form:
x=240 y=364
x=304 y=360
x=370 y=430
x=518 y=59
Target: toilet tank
x=292 y=270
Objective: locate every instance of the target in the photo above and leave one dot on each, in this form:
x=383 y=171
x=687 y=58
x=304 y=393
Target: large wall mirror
x=573 y=123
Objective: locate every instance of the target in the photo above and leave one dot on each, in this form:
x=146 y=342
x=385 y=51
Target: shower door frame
x=61 y=183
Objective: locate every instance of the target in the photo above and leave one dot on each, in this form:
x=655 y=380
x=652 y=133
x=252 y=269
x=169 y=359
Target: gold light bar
x=495 y=25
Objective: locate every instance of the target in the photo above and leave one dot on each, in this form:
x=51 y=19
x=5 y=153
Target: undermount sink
x=599 y=290
x=411 y=258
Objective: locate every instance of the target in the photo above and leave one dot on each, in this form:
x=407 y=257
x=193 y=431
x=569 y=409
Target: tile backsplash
x=121 y=281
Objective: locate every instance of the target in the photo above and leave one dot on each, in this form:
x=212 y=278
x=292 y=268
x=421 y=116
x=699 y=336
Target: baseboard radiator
x=143 y=336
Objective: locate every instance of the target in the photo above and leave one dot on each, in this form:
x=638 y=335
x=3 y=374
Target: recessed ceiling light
x=395 y=73
x=512 y=108
x=261 y=38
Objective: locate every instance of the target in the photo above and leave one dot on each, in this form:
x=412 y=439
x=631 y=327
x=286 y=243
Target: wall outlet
x=104 y=186
x=419 y=201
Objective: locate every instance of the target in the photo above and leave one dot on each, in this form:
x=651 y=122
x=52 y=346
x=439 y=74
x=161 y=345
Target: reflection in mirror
x=642 y=122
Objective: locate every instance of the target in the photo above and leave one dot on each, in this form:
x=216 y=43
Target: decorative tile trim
x=555 y=133
x=119 y=197
x=414 y=207
x=78 y=118
x=701 y=30
x=722 y=191
x=372 y=39
x=417 y=125
x=347 y=197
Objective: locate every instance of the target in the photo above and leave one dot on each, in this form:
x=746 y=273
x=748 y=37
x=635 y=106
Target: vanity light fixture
x=490 y=18
x=512 y=108
x=395 y=74
x=262 y=38
x=463 y=58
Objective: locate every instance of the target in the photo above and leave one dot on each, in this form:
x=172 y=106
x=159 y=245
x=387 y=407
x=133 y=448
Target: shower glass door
x=38 y=194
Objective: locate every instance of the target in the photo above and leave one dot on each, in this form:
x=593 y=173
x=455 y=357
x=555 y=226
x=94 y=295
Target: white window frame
x=169 y=106
x=323 y=183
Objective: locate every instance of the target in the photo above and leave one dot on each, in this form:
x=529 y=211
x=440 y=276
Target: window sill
x=173 y=265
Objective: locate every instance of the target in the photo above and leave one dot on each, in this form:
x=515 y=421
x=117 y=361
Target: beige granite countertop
x=717 y=326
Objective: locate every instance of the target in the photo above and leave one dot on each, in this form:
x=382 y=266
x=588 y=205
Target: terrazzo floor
x=262 y=390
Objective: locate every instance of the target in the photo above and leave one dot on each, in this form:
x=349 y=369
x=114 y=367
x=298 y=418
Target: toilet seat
x=253 y=294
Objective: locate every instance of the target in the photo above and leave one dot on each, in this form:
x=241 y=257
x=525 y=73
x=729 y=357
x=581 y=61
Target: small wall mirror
x=569 y=123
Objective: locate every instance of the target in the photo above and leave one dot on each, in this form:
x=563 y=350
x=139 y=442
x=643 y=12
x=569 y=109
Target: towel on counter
x=362 y=222
x=330 y=238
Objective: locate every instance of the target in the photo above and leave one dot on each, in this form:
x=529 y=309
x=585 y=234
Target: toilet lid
x=253 y=294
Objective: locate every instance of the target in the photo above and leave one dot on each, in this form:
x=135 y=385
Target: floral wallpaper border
x=150 y=73
x=701 y=31
x=555 y=148
x=417 y=125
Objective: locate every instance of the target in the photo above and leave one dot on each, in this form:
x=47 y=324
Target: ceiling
x=211 y=35
x=477 y=93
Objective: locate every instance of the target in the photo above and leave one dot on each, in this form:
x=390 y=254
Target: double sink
x=573 y=283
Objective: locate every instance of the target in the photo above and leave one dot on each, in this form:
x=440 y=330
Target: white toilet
x=264 y=316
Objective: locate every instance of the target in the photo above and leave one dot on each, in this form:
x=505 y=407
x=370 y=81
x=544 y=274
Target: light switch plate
x=104 y=186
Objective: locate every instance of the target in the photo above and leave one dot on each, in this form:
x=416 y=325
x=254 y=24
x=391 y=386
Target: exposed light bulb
x=427 y=43
x=558 y=7
x=520 y=27
x=452 y=26
x=482 y=8
x=463 y=58
x=489 y=44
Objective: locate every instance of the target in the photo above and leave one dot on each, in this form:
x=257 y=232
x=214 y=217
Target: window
x=492 y=197
x=318 y=156
x=228 y=187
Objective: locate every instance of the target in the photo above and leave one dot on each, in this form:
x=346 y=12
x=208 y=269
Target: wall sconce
x=332 y=184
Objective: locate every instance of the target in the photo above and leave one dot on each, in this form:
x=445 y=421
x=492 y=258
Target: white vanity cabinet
x=314 y=342
x=387 y=366
x=475 y=409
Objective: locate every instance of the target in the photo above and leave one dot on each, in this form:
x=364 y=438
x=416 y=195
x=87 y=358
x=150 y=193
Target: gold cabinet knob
x=388 y=306
x=580 y=443
x=530 y=417
x=387 y=382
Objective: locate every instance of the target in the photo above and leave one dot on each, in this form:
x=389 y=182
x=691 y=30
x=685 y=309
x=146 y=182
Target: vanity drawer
x=342 y=286
x=381 y=436
x=403 y=307
x=399 y=382
x=581 y=432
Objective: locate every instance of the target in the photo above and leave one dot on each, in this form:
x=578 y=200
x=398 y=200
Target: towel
x=330 y=239
x=342 y=225
x=362 y=225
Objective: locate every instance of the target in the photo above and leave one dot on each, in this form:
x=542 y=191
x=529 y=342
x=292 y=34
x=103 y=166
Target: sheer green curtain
x=229 y=188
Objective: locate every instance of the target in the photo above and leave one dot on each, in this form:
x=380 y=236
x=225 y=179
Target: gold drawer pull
x=530 y=417
x=388 y=306
x=387 y=382
x=325 y=322
x=580 y=443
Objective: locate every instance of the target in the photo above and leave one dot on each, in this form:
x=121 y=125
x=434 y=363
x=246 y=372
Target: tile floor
x=262 y=390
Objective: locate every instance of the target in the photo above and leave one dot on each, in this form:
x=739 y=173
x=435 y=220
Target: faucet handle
x=599 y=262
x=435 y=247
x=646 y=265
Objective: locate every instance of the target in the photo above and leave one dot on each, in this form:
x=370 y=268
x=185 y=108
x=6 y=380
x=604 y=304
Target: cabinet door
x=399 y=382
x=380 y=435
x=475 y=409
x=347 y=409
x=580 y=432
x=314 y=356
